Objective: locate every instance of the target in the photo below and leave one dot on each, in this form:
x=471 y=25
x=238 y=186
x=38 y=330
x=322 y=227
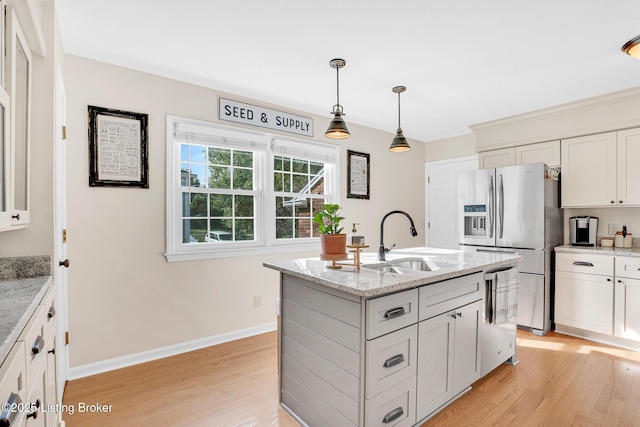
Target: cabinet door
x=544 y=152
x=627 y=322
x=584 y=301
x=497 y=158
x=435 y=360
x=589 y=170
x=466 y=347
x=628 y=150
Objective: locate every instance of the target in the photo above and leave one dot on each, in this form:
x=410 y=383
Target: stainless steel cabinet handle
x=10 y=410
x=393 y=361
x=51 y=312
x=394 y=312
x=38 y=345
x=583 y=263
x=393 y=415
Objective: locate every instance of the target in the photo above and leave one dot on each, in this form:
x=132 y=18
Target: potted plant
x=333 y=242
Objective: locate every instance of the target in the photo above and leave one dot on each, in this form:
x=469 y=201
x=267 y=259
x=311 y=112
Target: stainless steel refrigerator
x=515 y=209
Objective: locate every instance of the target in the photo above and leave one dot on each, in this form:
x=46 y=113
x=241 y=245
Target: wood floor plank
x=560 y=381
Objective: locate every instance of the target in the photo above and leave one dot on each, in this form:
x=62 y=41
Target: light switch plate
x=613 y=228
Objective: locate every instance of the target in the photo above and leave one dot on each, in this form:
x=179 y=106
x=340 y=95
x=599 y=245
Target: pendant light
x=399 y=143
x=337 y=127
x=632 y=47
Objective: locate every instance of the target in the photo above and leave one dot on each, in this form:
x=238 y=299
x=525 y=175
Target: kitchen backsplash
x=25 y=267
x=614 y=215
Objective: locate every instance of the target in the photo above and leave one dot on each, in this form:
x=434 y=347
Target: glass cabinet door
x=18 y=81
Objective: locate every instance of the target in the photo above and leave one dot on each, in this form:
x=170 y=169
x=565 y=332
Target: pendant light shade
x=399 y=143
x=632 y=47
x=337 y=127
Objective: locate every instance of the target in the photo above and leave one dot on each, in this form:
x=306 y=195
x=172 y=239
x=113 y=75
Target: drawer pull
x=583 y=263
x=51 y=312
x=394 y=312
x=393 y=415
x=393 y=361
x=38 y=345
x=10 y=410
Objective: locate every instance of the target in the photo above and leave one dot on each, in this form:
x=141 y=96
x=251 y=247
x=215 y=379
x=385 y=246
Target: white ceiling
x=462 y=61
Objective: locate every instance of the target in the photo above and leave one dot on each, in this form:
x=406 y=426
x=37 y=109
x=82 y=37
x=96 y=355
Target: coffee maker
x=583 y=230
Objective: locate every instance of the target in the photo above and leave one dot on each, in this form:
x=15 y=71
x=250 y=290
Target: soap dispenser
x=355 y=239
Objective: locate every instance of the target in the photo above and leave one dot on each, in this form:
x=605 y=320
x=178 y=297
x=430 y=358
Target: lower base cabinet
x=584 y=301
x=627 y=324
x=449 y=361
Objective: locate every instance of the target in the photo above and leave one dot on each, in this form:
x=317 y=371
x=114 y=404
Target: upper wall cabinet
x=598 y=170
x=545 y=152
x=15 y=126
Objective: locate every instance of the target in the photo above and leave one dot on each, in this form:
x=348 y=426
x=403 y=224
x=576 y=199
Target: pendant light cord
x=400 y=129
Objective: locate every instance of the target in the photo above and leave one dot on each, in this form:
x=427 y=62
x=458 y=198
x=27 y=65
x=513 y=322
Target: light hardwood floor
x=560 y=381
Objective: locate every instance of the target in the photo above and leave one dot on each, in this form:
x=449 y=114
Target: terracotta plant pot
x=333 y=246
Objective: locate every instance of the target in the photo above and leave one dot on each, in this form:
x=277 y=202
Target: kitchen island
x=389 y=344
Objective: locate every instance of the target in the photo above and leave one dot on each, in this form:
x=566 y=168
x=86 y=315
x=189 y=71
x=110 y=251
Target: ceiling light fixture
x=337 y=127
x=399 y=143
x=632 y=47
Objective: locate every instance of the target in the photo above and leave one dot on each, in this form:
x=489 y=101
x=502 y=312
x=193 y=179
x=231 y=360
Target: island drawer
x=628 y=266
x=391 y=359
x=391 y=312
x=585 y=263
x=395 y=407
x=440 y=297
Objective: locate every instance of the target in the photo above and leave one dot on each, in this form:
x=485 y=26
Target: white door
x=60 y=235
x=441 y=213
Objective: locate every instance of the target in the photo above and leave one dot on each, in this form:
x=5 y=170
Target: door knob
x=64 y=263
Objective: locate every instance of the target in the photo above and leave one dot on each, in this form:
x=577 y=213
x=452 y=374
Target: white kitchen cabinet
x=448 y=356
x=628 y=153
x=627 y=298
x=542 y=152
x=584 y=291
x=27 y=375
x=497 y=158
x=599 y=170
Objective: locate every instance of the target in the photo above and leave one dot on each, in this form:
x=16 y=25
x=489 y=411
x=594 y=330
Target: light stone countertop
x=23 y=283
x=599 y=250
x=368 y=282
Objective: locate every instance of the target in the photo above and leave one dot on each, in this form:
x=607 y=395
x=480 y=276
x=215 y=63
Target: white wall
x=614 y=215
x=124 y=297
x=450 y=148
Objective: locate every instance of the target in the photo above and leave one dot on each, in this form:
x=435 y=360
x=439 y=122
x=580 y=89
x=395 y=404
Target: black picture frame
x=358 y=175
x=118 y=148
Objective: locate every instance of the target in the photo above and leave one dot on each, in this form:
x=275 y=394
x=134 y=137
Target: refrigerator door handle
x=500 y=207
x=491 y=204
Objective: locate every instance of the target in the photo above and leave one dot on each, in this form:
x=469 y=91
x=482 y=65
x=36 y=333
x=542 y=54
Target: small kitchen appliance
x=583 y=230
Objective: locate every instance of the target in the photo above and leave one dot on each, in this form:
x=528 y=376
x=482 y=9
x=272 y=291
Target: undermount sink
x=404 y=266
x=414 y=264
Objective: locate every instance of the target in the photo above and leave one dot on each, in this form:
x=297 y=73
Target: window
x=233 y=192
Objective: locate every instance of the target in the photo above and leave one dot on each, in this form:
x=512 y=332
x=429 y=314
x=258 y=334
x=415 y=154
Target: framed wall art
x=357 y=175
x=118 y=148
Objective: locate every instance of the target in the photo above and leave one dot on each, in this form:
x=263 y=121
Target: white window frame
x=266 y=146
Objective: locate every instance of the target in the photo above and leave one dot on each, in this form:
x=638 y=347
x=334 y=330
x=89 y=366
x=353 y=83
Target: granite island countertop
x=23 y=284
x=370 y=282
x=599 y=250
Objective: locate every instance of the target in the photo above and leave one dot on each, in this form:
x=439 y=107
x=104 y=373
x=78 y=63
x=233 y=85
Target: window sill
x=241 y=252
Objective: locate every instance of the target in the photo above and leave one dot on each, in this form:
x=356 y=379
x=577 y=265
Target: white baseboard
x=159 y=353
